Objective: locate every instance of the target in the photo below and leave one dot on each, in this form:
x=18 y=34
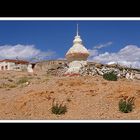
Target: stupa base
x=74 y=67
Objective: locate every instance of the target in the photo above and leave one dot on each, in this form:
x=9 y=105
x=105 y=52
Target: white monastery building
x=11 y=64
x=77 y=55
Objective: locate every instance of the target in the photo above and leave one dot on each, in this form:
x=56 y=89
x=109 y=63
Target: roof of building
x=15 y=61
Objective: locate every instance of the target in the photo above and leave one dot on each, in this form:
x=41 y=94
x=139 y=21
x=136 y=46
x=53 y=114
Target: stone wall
x=44 y=66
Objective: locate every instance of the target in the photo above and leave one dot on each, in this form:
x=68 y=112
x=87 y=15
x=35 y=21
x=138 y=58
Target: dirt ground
x=25 y=96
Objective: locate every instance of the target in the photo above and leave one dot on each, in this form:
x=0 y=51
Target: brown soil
x=90 y=98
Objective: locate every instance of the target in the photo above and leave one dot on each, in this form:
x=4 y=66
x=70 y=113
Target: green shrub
x=111 y=76
x=59 y=109
x=126 y=104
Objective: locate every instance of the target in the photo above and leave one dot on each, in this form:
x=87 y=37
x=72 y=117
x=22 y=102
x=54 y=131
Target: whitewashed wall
x=13 y=66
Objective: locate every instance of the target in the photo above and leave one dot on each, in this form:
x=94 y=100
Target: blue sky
x=106 y=38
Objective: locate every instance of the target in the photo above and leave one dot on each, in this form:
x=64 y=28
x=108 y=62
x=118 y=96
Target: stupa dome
x=77 y=51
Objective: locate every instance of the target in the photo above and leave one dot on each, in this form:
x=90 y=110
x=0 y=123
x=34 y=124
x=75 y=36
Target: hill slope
x=89 y=97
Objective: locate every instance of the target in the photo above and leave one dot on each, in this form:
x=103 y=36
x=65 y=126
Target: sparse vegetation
x=22 y=80
x=111 y=76
x=4 y=85
x=126 y=104
x=12 y=86
x=76 y=97
x=59 y=109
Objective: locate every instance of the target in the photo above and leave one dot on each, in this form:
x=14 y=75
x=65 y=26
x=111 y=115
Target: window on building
x=6 y=67
x=2 y=67
x=18 y=67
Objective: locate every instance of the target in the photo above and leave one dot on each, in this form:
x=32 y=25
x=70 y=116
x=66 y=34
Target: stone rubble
x=59 y=70
x=97 y=69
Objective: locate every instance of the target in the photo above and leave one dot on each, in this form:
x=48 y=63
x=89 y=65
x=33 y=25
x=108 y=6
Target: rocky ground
x=30 y=96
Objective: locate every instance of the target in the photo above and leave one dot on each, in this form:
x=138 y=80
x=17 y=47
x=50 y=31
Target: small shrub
x=22 y=80
x=59 y=109
x=111 y=76
x=126 y=104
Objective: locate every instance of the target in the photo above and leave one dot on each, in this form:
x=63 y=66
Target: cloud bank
x=128 y=56
x=23 y=52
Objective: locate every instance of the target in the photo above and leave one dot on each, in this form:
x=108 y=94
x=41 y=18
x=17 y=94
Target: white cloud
x=23 y=52
x=93 y=52
x=103 y=45
x=129 y=56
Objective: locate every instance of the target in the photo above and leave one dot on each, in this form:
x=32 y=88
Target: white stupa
x=77 y=55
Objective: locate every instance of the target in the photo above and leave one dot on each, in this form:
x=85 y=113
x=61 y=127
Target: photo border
x=69 y=19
